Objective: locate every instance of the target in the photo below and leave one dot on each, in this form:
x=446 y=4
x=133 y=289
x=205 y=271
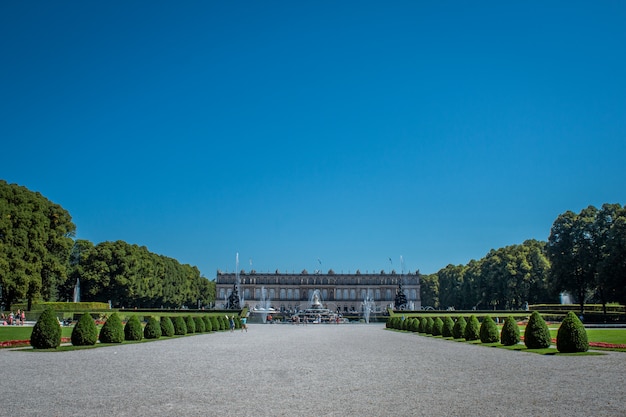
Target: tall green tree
x=35 y=243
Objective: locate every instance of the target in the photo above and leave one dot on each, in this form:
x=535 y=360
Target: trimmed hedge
x=448 y=325
x=215 y=324
x=489 y=331
x=458 y=331
x=85 y=332
x=437 y=326
x=152 y=329
x=47 y=332
x=191 y=324
x=208 y=326
x=200 y=328
x=133 y=329
x=167 y=327
x=537 y=334
x=472 y=329
x=510 y=334
x=429 y=325
x=112 y=331
x=572 y=336
x=422 y=326
x=180 y=327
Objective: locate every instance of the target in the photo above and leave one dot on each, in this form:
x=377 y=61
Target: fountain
x=235 y=301
x=316 y=312
x=76 y=297
x=264 y=307
x=368 y=306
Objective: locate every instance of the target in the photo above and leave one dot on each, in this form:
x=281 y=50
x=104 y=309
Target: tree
x=85 y=332
x=47 y=331
x=472 y=329
x=537 y=334
x=112 y=331
x=133 y=329
x=510 y=334
x=152 y=329
x=429 y=290
x=572 y=336
x=489 y=331
x=458 y=331
x=573 y=254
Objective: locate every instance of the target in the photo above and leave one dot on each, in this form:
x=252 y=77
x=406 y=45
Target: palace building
x=343 y=293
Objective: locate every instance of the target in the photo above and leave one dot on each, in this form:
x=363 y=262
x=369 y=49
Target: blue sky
x=350 y=132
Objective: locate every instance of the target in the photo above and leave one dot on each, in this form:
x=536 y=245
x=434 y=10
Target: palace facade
x=343 y=293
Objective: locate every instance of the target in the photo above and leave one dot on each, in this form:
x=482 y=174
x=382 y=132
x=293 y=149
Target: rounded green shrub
x=510 y=334
x=167 y=327
x=152 y=329
x=85 y=332
x=112 y=331
x=472 y=329
x=415 y=323
x=572 y=336
x=200 y=327
x=215 y=324
x=422 y=326
x=180 y=327
x=208 y=327
x=429 y=325
x=47 y=331
x=133 y=329
x=489 y=331
x=537 y=334
x=458 y=331
x=448 y=325
x=191 y=324
x=437 y=326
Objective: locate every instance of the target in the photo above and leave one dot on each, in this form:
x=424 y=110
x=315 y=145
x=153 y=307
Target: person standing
x=231 y=321
x=244 y=324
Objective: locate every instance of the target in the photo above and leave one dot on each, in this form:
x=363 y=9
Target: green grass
x=23 y=332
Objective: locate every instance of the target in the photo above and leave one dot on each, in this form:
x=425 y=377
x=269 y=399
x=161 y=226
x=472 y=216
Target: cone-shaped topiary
x=200 y=328
x=537 y=334
x=152 y=329
x=489 y=331
x=47 y=331
x=208 y=326
x=191 y=324
x=429 y=325
x=133 y=329
x=180 y=327
x=85 y=332
x=422 y=326
x=215 y=324
x=448 y=325
x=472 y=329
x=510 y=332
x=415 y=323
x=437 y=326
x=572 y=336
x=167 y=327
x=458 y=331
x=112 y=331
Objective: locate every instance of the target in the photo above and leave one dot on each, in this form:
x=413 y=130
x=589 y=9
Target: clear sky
x=287 y=131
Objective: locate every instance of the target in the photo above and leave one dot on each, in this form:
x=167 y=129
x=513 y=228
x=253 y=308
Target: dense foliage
x=133 y=329
x=572 y=336
x=458 y=330
x=35 y=242
x=437 y=326
x=537 y=334
x=167 y=327
x=191 y=324
x=448 y=325
x=510 y=334
x=489 y=331
x=152 y=329
x=47 y=331
x=208 y=325
x=113 y=330
x=200 y=327
x=472 y=329
x=85 y=332
x=180 y=327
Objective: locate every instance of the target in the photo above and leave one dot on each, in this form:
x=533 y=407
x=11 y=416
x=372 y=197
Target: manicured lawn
x=23 y=332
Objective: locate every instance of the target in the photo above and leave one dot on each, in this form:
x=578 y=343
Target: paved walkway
x=314 y=370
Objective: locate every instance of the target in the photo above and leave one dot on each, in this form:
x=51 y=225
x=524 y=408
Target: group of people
x=13 y=319
x=244 y=323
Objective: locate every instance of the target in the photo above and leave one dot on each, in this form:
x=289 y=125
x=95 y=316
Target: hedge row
x=571 y=336
x=47 y=331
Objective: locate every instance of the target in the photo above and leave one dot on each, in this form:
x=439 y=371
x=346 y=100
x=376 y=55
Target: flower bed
x=22 y=343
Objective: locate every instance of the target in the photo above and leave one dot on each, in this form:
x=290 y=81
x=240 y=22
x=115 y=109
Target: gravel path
x=314 y=370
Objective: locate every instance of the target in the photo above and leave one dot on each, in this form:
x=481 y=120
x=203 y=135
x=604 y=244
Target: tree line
x=41 y=260
x=585 y=255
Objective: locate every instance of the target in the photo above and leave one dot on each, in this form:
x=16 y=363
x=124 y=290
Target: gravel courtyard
x=314 y=370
